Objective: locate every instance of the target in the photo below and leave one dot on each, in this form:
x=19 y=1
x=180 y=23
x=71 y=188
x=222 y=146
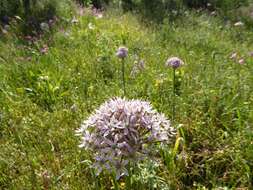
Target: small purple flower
x=122 y=52
x=174 y=62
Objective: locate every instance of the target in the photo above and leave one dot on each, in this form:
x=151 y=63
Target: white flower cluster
x=121 y=131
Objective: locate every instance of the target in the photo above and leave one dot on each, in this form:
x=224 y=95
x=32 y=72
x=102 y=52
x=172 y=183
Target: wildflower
x=44 y=78
x=233 y=56
x=174 y=62
x=74 y=20
x=241 y=61
x=122 y=52
x=122 y=131
x=17 y=17
x=138 y=66
x=91 y=26
x=44 y=49
x=99 y=16
x=74 y=108
x=237 y=24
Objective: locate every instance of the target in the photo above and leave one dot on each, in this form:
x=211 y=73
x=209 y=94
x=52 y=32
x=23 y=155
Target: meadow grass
x=45 y=97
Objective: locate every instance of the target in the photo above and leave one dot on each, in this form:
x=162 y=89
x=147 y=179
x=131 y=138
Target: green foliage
x=33 y=12
x=9 y=7
x=163 y=9
x=222 y=4
x=96 y=3
x=44 y=97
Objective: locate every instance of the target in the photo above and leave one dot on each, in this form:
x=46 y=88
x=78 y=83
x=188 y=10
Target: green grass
x=44 y=100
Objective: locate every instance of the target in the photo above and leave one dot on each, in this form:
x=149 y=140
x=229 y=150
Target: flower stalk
x=174 y=63
x=174 y=95
x=122 y=53
x=123 y=75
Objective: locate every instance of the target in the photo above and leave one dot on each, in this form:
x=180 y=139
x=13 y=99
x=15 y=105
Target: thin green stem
x=123 y=76
x=174 y=94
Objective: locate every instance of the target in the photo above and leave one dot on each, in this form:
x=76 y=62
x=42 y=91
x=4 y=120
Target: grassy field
x=48 y=86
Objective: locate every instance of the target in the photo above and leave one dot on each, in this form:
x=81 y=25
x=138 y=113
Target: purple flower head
x=121 y=131
x=174 y=62
x=122 y=52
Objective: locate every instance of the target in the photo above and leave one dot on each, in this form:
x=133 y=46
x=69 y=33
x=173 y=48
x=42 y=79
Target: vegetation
x=50 y=83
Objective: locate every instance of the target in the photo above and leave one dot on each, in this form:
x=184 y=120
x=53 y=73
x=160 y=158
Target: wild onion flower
x=122 y=53
x=174 y=62
x=121 y=132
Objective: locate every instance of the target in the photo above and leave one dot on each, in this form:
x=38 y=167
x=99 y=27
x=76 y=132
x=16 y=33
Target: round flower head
x=122 y=52
x=121 y=131
x=174 y=62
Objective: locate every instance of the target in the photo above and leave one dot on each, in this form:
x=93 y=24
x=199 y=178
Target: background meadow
x=50 y=82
